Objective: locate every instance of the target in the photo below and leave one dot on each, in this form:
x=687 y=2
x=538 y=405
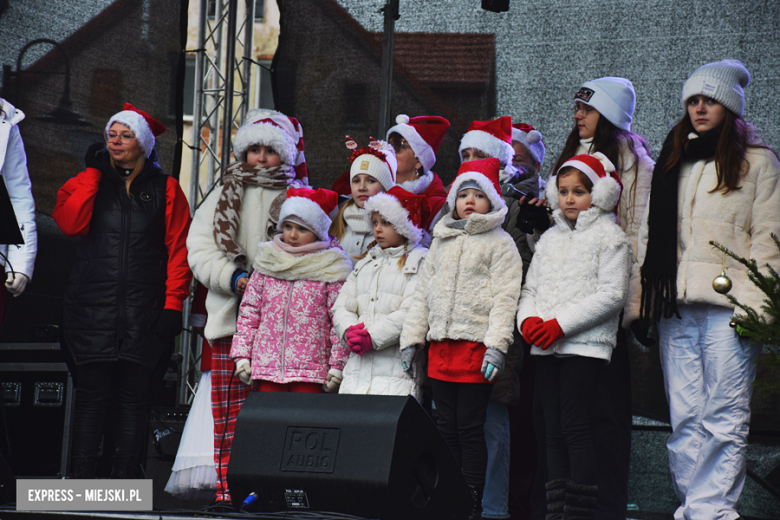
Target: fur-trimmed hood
x=477 y=223
x=329 y=265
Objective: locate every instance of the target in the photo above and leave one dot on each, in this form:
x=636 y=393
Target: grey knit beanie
x=722 y=81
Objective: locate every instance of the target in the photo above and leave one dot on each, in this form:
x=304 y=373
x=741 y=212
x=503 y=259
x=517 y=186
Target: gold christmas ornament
x=722 y=283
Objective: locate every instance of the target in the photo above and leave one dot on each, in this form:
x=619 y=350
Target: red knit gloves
x=541 y=333
x=358 y=339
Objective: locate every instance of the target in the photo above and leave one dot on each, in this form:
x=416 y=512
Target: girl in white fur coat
x=603 y=113
x=372 y=306
x=465 y=306
x=569 y=310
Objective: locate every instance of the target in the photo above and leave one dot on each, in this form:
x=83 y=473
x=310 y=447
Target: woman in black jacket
x=123 y=301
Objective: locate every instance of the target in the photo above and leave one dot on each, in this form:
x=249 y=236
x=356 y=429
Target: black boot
x=83 y=467
x=556 y=498
x=125 y=468
x=476 y=506
x=581 y=501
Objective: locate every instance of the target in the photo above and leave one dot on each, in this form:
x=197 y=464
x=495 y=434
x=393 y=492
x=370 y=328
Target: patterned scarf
x=227 y=217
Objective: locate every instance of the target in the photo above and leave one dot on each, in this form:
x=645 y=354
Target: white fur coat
x=579 y=276
x=469 y=286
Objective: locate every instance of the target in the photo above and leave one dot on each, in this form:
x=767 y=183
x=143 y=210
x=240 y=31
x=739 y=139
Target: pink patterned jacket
x=285 y=325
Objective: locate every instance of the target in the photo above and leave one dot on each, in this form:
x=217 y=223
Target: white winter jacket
x=636 y=186
x=378 y=294
x=742 y=221
x=469 y=286
x=13 y=169
x=212 y=267
x=579 y=276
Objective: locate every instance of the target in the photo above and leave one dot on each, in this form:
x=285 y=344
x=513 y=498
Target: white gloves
x=493 y=364
x=244 y=371
x=331 y=386
x=16 y=283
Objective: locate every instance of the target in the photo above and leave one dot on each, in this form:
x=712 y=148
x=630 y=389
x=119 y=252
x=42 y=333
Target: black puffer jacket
x=117 y=288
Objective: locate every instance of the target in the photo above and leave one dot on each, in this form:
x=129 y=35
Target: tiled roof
x=444 y=59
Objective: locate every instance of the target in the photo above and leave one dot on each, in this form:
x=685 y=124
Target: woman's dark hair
x=730 y=161
x=584 y=179
x=607 y=139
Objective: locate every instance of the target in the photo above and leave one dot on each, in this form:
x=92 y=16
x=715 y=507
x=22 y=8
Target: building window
x=211 y=10
x=259 y=10
x=265 y=94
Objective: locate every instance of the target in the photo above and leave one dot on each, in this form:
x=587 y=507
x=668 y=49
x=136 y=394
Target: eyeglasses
x=124 y=137
x=585 y=109
x=399 y=144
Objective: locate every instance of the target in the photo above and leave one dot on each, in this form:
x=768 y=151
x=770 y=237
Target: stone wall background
x=546 y=50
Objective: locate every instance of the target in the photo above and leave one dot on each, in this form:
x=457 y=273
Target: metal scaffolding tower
x=222 y=87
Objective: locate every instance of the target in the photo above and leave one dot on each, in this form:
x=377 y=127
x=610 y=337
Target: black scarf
x=659 y=272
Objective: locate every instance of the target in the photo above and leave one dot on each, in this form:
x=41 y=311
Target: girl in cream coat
x=465 y=306
x=373 y=304
x=715 y=180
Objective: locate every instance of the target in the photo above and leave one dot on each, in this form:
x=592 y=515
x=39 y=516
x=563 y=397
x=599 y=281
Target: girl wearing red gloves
x=569 y=310
x=285 y=340
x=374 y=301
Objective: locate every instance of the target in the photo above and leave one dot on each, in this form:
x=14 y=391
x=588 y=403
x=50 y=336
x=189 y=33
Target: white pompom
x=605 y=162
x=534 y=137
x=402 y=119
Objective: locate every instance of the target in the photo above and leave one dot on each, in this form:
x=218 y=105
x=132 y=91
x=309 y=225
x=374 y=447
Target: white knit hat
x=377 y=160
x=271 y=128
x=722 y=81
x=144 y=126
x=526 y=135
x=607 y=186
x=614 y=98
x=311 y=206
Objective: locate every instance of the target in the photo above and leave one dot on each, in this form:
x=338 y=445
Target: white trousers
x=708 y=376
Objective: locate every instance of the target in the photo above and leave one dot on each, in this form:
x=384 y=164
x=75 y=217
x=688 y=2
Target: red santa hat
x=271 y=128
x=601 y=172
x=144 y=126
x=483 y=173
x=313 y=207
x=404 y=210
x=377 y=160
x=424 y=134
x=493 y=138
x=530 y=138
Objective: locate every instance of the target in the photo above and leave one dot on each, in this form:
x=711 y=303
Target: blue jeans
x=495 y=501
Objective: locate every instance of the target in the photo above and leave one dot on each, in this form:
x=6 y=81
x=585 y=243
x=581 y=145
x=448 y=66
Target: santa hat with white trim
x=424 y=134
x=607 y=186
x=482 y=173
x=404 y=210
x=313 y=207
x=377 y=160
x=271 y=128
x=144 y=126
x=493 y=138
x=531 y=139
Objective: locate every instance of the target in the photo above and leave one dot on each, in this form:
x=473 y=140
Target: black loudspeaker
x=165 y=428
x=371 y=456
